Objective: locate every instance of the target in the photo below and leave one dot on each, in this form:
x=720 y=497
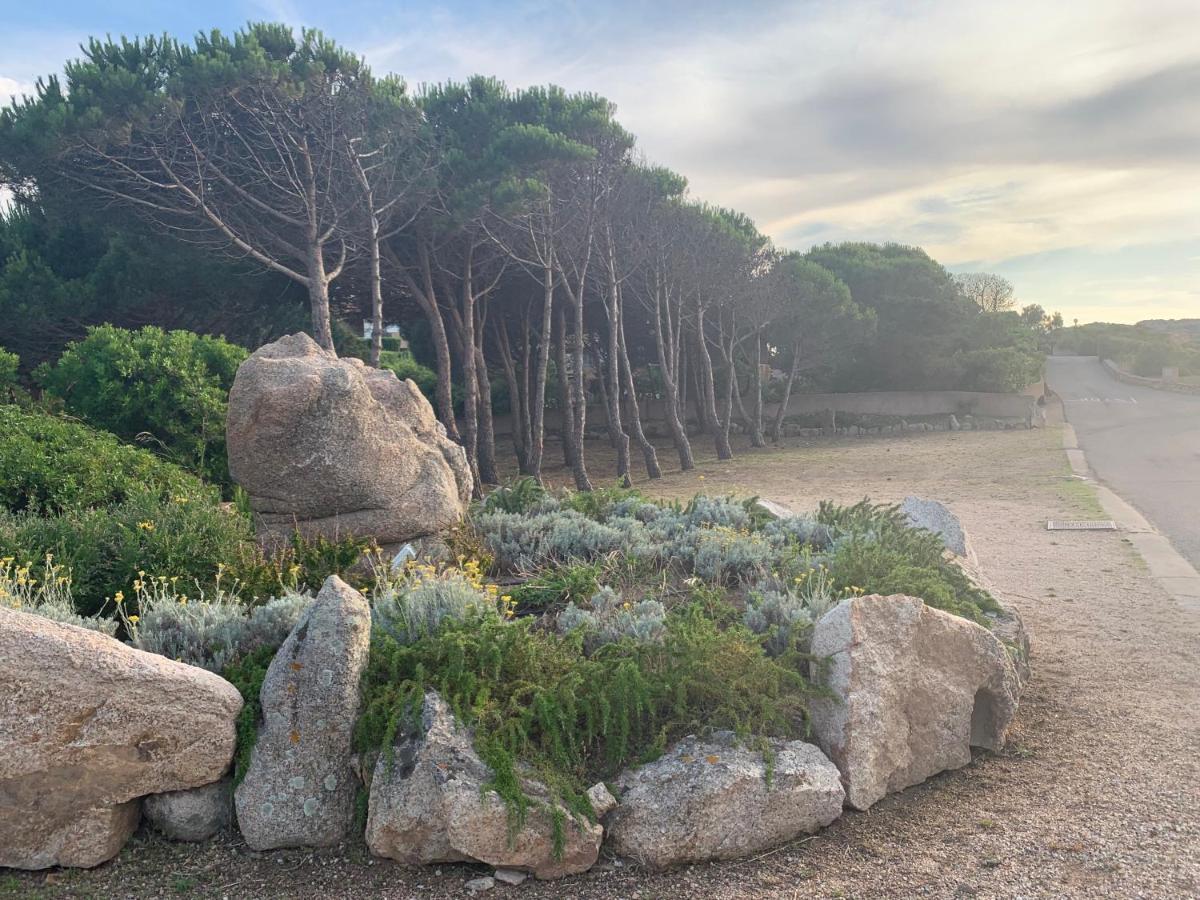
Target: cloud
x=11 y=89
x=1052 y=133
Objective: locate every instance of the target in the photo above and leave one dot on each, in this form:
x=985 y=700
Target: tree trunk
x=318 y=298
x=515 y=399
x=579 y=399
x=756 y=418
x=376 y=293
x=565 y=397
x=610 y=379
x=781 y=413
x=488 y=472
x=635 y=417
x=709 y=391
x=537 y=404
x=426 y=297
x=671 y=399
x=466 y=331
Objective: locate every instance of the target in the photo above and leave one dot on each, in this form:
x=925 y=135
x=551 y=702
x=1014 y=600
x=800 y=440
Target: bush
x=607 y=620
x=533 y=696
x=211 y=630
x=49 y=464
x=877 y=552
x=9 y=363
x=558 y=584
x=405 y=366
x=45 y=592
x=104 y=548
x=784 y=615
x=416 y=602
x=1005 y=370
x=167 y=387
x=517 y=496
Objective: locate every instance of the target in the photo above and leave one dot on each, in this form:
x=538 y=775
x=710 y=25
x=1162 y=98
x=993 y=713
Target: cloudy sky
x=1054 y=141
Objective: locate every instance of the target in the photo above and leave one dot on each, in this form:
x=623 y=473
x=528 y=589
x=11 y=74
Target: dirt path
x=1098 y=794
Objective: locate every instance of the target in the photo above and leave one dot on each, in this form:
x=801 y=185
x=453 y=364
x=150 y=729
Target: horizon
x=1076 y=181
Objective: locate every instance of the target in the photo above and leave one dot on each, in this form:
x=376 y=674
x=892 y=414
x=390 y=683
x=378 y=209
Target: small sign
x=1081 y=525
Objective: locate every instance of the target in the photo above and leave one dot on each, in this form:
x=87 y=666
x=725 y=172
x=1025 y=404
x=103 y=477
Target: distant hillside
x=1190 y=328
x=1144 y=349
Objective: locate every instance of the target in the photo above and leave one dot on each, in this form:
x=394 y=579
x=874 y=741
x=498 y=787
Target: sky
x=1056 y=142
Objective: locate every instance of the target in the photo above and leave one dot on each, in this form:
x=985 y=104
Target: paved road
x=1143 y=443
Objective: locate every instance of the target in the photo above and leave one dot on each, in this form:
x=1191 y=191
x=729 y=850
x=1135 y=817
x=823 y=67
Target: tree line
x=518 y=231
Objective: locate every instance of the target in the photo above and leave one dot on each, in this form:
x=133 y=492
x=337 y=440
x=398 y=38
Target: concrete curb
x=1174 y=574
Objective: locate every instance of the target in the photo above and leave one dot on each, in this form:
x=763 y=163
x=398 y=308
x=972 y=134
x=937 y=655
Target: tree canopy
x=541 y=267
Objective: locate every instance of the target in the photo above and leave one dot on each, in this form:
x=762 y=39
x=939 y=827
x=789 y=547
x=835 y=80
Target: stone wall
x=1157 y=383
x=997 y=410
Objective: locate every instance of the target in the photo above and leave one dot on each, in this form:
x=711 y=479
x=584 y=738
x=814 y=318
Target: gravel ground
x=1097 y=795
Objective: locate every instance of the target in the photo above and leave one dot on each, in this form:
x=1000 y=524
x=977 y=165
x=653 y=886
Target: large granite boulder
x=935 y=516
x=196 y=814
x=1005 y=623
x=715 y=799
x=87 y=726
x=299 y=788
x=331 y=446
x=914 y=689
x=428 y=805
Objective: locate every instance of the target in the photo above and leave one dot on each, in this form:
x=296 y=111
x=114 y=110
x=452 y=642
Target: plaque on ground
x=1081 y=525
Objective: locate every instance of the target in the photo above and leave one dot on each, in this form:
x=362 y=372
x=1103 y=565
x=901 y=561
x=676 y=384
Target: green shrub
x=303 y=564
x=247 y=675
x=49 y=464
x=517 y=496
x=405 y=366
x=168 y=388
x=877 y=552
x=558 y=584
x=532 y=695
x=1005 y=370
x=9 y=363
x=45 y=590
x=104 y=548
x=599 y=502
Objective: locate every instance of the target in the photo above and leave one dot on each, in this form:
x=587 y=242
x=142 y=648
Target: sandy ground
x=1097 y=794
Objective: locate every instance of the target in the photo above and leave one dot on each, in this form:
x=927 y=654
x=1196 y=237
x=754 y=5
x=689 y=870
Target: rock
x=711 y=799
x=773 y=509
x=914 y=688
x=511 y=877
x=332 y=447
x=932 y=515
x=602 y=800
x=300 y=786
x=479 y=885
x=87 y=726
x=195 y=814
x=428 y=805
x=1009 y=627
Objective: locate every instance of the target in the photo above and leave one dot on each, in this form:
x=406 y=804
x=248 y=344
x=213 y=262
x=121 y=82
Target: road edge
x=1174 y=574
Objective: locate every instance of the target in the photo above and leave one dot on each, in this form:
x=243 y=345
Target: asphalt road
x=1142 y=443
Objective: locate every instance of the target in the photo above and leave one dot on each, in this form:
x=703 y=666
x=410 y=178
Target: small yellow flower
x=119 y=597
x=133 y=620
x=146 y=526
